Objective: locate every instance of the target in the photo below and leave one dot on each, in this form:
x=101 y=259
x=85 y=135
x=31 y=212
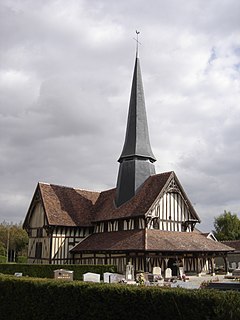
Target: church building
x=147 y=219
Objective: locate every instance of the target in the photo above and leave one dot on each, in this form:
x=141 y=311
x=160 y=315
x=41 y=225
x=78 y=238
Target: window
x=136 y=223
x=155 y=223
x=105 y=227
x=112 y=227
x=38 y=251
x=127 y=225
x=120 y=225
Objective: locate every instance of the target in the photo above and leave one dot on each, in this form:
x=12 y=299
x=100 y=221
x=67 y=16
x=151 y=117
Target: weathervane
x=137 y=42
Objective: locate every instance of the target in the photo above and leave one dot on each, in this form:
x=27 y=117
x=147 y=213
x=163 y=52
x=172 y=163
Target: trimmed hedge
x=40 y=299
x=47 y=270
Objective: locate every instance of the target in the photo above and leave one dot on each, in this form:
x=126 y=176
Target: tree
x=227 y=226
x=13 y=239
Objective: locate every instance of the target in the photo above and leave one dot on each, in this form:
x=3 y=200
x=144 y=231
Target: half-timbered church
x=147 y=219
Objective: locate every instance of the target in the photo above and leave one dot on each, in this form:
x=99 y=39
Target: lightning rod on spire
x=137 y=42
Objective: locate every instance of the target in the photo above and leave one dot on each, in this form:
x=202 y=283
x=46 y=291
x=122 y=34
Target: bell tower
x=136 y=160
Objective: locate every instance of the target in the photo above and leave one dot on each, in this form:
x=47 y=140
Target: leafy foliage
x=26 y=298
x=14 y=238
x=227 y=226
x=3 y=259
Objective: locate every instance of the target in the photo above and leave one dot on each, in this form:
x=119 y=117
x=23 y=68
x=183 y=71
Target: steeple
x=136 y=160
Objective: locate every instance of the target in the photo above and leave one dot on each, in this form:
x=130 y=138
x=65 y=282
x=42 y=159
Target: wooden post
x=226 y=265
x=166 y=264
x=199 y=270
x=212 y=267
x=146 y=263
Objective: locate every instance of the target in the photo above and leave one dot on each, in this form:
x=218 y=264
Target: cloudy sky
x=65 y=76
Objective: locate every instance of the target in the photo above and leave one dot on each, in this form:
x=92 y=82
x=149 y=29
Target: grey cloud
x=65 y=76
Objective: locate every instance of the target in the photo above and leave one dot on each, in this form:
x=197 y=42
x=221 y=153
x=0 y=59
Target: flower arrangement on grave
x=141 y=279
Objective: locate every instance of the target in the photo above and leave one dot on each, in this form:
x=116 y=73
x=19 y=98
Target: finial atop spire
x=137 y=42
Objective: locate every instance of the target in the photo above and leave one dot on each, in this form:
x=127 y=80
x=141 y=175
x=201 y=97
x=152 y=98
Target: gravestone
x=234 y=265
x=18 y=274
x=106 y=277
x=91 y=277
x=236 y=272
x=129 y=272
x=62 y=274
x=157 y=271
x=168 y=273
x=238 y=265
x=116 y=278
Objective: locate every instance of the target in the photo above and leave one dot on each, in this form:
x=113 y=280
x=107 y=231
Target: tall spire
x=136 y=160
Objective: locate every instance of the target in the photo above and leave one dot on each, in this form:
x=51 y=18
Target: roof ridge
x=67 y=187
x=166 y=172
x=81 y=189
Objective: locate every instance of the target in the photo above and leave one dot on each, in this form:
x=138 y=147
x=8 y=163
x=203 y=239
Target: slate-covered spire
x=136 y=160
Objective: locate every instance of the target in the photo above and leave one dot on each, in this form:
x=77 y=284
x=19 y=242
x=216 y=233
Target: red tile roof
x=232 y=243
x=113 y=241
x=106 y=209
x=68 y=206
x=182 y=241
x=150 y=240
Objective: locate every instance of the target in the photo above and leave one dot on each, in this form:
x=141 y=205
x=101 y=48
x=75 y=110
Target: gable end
x=172 y=210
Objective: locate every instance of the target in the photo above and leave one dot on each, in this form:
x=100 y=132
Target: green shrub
x=2 y=249
x=39 y=299
x=47 y=270
x=22 y=259
x=3 y=259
